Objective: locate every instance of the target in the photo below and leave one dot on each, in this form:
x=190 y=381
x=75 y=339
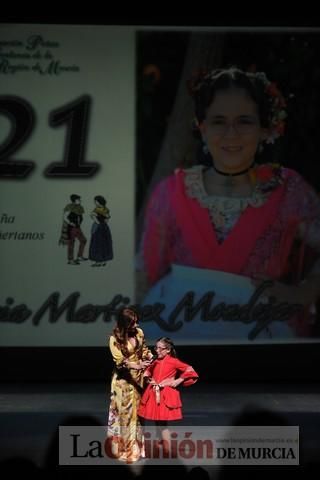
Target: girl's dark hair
x=205 y=90
x=169 y=345
x=120 y=332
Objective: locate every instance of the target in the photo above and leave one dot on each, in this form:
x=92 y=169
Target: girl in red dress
x=161 y=400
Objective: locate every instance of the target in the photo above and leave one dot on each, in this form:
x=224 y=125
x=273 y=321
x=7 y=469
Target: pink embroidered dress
x=239 y=237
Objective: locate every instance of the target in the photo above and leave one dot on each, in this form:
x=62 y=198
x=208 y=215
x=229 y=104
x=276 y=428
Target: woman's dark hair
x=121 y=329
x=205 y=90
x=169 y=345
x=101 y=200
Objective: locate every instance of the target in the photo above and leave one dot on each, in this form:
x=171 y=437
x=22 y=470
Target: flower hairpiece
x=200 y=78
x=276 y=100
x=277 y=106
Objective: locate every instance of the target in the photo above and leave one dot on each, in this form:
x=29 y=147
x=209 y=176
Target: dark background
x=224 y=363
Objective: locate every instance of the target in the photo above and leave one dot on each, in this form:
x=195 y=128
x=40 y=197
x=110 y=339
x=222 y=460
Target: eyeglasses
x=160 y=348
x=243 y=125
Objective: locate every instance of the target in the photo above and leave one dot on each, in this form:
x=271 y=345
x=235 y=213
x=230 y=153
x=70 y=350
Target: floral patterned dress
x=125 y=435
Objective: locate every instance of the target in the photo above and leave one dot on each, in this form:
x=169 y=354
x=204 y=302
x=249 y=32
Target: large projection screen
x=78 y=116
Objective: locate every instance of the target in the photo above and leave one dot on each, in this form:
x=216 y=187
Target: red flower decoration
x=280 y=128
x=273 y=90
x=264 y=173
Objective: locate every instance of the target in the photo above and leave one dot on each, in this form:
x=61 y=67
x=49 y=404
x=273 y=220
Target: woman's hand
x=144 y=363
x=152 y=381
x=131 y=365
x=141 y=365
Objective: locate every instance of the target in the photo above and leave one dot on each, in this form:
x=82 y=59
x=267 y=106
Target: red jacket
x=164 y=402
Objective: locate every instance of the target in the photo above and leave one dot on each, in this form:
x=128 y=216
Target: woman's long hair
x=122 y=328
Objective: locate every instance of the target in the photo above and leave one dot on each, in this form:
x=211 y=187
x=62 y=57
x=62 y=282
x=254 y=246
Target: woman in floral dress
x=131 y=356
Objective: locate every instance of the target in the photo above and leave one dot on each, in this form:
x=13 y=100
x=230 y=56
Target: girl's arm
x=188 y=375
x=177 y=382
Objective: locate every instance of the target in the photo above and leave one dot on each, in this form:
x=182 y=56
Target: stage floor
x=30 y=413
